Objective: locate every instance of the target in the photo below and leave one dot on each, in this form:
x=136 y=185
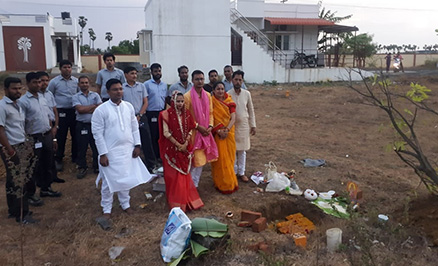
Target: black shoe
x=58 y=180
x=59 y=166
x=27 y=219
x=50 y=193
x=82 y=172
x=13 y=216
x=35 y=201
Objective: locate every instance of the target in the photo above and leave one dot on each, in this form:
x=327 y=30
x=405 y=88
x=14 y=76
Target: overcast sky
x=389 y=21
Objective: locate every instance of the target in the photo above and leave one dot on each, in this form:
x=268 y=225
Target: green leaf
x=389 y=147
x=212 y=234
x=197 y=248
x=408 y=111
x=181 y=257
x=399 y=145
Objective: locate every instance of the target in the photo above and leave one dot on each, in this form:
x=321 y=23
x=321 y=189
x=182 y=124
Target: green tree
x=82 y=23
x=126 y=47
x=403 y=110
x=331 y=16
x=92 y=38
x=109 y=38
x=362 y=46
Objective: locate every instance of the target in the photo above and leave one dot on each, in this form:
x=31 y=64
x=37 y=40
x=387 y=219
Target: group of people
x=398 y=64
x=181 y=128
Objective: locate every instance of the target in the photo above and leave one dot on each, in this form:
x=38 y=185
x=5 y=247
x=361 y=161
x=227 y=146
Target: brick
x=300 y=240
x=249 y=216
x=259 y=225
x=359 y=194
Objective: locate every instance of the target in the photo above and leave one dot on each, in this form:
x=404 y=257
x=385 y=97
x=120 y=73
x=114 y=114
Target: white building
x=38 y=42
x=257 y=37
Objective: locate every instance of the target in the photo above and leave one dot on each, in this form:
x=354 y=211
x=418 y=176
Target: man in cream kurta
x=115 y=130
x=245 y=123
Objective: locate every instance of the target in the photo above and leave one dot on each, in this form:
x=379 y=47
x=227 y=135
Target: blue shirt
x=51 y=102
x=135 y=95
x=104 y=75
x=85 y=100
x=157 y=93
x=36 y=111
x=12 y=119
x=179 y=87
x=229 y=85
x=63 y=90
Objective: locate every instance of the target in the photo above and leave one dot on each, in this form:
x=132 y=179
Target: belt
x=41 y=134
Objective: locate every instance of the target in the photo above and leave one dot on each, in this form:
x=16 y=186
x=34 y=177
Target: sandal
x=244 y=178
x=104 y=223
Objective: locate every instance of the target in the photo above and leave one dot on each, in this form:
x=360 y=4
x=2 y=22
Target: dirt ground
x=321 y=121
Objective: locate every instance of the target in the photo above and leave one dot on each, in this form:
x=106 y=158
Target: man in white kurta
x=245 y=123
x=115 y=130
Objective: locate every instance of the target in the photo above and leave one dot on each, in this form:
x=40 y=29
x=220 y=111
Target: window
x=282 y=42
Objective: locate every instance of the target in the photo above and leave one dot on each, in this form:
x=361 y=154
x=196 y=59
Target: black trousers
x=146 y=143
x=155 y=131
x=67 y=121
x=84 y=137
x=16 y=194
x=43 y=151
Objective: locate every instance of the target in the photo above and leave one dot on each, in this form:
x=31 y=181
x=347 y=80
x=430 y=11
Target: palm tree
x=82 y=23
x=109 y=38
x=92 y=37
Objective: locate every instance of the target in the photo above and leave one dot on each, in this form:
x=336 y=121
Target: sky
x=389 y=21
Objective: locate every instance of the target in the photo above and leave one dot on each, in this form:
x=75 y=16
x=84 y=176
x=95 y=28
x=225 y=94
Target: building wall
x=50 y=26
x=193 y=33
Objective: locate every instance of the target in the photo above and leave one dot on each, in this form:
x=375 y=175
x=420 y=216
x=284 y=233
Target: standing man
x=110 y=72
x=136 y=94
x=39 y=127
x=157 y=92
x=199 y=103
x=53 y=115
x=85 y=102
x=228 y=79
x=183 y=85
x=63 y=88
x=213 y=77
x=245 y=123
x=115 y=129
x=12 y=138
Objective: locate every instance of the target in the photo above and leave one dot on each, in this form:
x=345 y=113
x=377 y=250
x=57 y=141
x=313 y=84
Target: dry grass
x=324 y=121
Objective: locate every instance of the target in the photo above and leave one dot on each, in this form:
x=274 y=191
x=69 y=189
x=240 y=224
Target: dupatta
x=201 y=109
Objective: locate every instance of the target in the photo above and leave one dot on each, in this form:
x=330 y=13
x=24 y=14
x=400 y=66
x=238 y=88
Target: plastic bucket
x=334 y=239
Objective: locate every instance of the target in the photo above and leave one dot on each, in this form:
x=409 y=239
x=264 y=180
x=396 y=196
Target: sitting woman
x=224 y=115
x=176 y=125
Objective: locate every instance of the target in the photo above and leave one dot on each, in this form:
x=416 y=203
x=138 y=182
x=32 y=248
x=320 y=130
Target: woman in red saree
x=176 y=125
x=224 y=109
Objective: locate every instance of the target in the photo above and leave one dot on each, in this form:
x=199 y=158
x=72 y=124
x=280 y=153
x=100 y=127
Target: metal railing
x=259 y=37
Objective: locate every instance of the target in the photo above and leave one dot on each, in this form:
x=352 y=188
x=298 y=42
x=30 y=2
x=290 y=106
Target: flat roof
x=299 y=21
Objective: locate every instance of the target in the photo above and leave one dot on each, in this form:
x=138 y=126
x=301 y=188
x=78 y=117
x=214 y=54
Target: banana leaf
x=198 y=249
x=183 y=256
x=209 y=227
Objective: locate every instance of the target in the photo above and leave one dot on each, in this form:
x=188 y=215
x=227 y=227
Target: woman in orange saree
x=224 y=109
x=176 y=125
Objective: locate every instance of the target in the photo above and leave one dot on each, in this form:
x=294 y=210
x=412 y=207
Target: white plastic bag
x=271 y=170
x=176 y=235
x=278 y=183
